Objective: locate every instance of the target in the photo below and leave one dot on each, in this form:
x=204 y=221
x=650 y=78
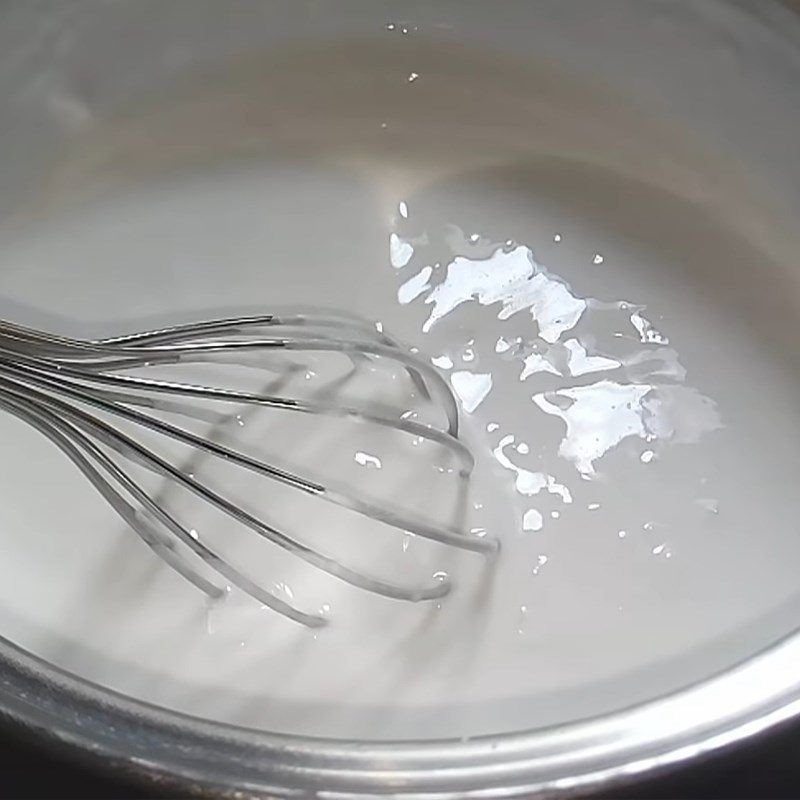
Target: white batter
x=631 y=410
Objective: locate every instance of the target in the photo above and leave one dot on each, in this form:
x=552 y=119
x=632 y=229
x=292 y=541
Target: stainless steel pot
x=65 y=67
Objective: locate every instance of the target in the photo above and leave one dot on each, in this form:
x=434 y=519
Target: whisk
x=68 y=389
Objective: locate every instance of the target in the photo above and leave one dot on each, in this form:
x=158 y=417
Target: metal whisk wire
x=65 y=388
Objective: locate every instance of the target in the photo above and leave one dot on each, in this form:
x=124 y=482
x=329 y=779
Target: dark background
x=765 y=768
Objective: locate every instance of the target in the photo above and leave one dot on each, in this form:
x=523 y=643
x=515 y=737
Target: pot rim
x=161 y=744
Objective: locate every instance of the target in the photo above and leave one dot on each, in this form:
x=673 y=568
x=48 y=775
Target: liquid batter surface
x=633 y=432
